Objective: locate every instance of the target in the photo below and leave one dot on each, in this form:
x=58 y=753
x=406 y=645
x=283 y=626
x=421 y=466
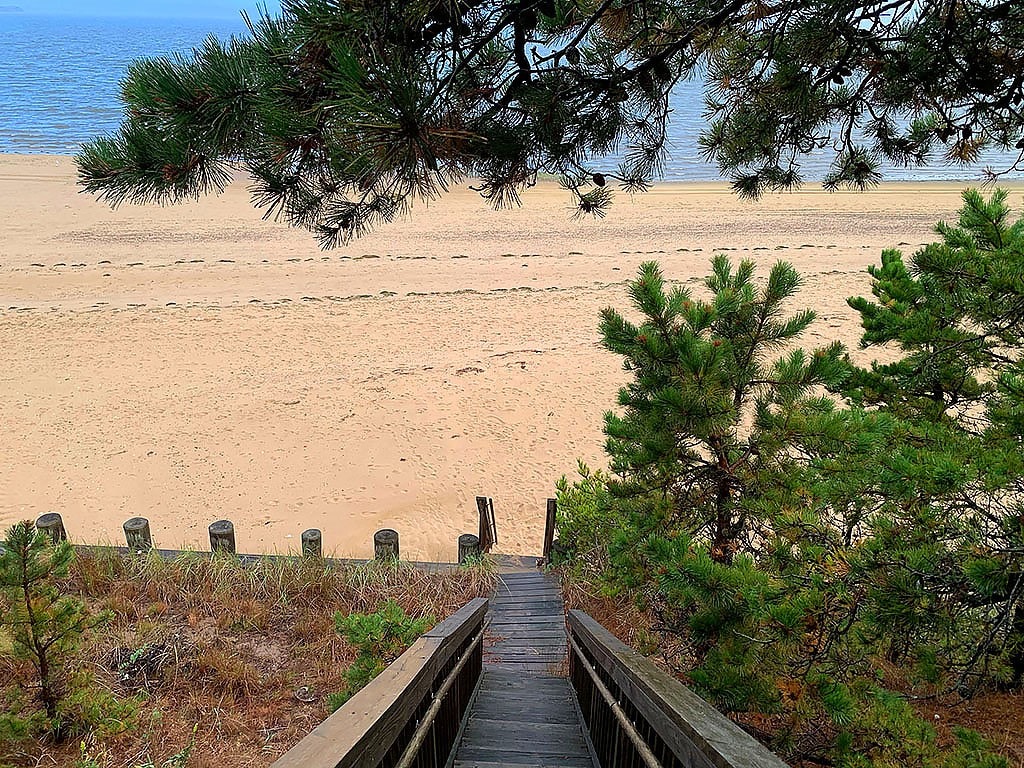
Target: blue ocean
x=59 y=84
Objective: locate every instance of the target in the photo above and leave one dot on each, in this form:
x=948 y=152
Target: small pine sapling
x=379 y=639
x=45 y=627
x=708 y=417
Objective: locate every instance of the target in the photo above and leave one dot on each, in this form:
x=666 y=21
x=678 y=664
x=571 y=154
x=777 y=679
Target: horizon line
x=237 y=16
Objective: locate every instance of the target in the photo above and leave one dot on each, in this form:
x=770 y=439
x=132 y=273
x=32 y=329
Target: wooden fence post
x=138 y=535
x=222 y=536
x=549 y=528
x=312 y=543
x=469 y=546
x=385 y=544
x=53 y=524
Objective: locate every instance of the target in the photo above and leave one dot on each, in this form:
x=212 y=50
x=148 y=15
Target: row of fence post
x=139 y=538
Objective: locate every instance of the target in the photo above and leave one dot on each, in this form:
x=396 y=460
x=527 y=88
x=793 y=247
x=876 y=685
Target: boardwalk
x=524 y=714
x=492 y=686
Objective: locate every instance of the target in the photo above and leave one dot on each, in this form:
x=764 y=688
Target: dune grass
x=226 y=662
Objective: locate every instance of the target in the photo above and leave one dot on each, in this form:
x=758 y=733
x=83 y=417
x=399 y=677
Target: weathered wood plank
x=527 y=738
x=527 y=646
x=514 y=693
x=538 y=601
x=512 y=682
x=529 y=712
x=540 y=763
x=514 y=731
x=524 y=717
x=538 y=665
x=525 y=577
x=500 y=601
x=528 y=655
x=550 y=645
x=526 y=586
x=530 y=669
x=512 y=641
x=496 y=750
x=501 y=620
x=539 y=633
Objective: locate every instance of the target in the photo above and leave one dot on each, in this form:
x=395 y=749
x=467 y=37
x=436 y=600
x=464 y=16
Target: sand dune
x=193 y=363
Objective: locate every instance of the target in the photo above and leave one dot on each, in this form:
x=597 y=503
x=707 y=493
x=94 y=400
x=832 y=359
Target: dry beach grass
x=243 y=656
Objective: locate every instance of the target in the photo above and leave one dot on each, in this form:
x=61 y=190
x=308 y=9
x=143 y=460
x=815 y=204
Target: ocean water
x=59 y=84
x=59 y=75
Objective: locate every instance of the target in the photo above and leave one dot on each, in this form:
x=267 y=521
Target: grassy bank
x=226 y=663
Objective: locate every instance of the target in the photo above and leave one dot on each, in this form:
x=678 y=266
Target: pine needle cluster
x=344 y=111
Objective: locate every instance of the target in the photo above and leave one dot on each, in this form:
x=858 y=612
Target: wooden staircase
x=524 y=713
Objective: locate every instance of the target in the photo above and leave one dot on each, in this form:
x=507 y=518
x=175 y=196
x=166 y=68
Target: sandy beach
x=194 y=363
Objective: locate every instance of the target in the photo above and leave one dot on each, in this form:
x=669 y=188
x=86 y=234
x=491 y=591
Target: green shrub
x=379 y=639
x=586 y=520
x=890 y=733
x=797 y=523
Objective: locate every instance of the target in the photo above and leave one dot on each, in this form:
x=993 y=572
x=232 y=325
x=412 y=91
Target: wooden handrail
x=677 y=727
x=374 y=728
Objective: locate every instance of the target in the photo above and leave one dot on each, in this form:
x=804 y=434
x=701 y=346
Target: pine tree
x=945 y=518
x=45 y=626
x=345 y=111
x=701 y=373
x=793 y=544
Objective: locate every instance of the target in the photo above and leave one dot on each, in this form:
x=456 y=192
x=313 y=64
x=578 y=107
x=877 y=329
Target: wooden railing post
x=488 y=532
x=385 y=544
x=53 y=524
x=549 y=528
x=138 y=534
x=222 y=536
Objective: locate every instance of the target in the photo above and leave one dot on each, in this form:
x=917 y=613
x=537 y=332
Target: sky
x=172 y=9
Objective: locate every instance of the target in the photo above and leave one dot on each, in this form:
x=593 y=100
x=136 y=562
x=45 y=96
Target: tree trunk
x=722 y=545
x=47 y=695
x=1016 y=640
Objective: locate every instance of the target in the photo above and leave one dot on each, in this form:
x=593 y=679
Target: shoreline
x=670 y=186
x=193 y=363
